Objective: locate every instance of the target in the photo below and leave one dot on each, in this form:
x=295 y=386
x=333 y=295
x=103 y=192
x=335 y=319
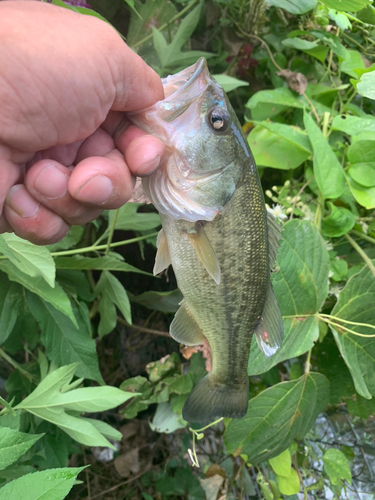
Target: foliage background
x=83 y=324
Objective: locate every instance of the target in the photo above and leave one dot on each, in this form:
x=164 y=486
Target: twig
x=298 y=194
x=364 y=256
x=142 y=328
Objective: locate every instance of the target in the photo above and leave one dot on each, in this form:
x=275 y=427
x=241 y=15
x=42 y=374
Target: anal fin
x=185 y=329
x=205 y=252
x=162 y=259
x=269 y=331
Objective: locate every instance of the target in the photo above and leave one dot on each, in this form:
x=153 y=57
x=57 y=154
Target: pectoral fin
x=205 y=252
x=185 y=329
x=274 y=236
x=162 y=259
x=269 y=332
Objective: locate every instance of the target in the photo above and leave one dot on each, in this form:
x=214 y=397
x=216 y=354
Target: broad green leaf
x=11 y=420
x=31 y=259
x=14 y=444
x=229 y=83
x=281 y=95
x=364 y=195
x=128 y=219
x=328 y=172
x=91 y=399
x=336 y=466
x=339 y=268
x=300 y=7
x=349 y=5
x=289 y=485
x=64 y=342
x=367 y=15
x=301 y=287
x=159 y=301
x=51 y=484
x=333 y=43
x=299 y=43
x=352 y=63
x=361 y=155
x=112 y=294
x=105 y=429
x=55 y=296
x=276 y=417
x=71 y=239
x=361 y=407
x=282 y=464
x=9 y=309
x=291 y=133
x=356 y=302
x=354 y=125
x=339 y=222
x=166 y=420
x=106 y=263
x=340 y=18
x=273 y=150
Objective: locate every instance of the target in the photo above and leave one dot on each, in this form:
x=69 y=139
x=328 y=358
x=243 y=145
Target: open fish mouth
x=178 y=86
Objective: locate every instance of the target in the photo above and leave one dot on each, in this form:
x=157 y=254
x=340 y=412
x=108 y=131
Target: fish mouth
x=178 y=86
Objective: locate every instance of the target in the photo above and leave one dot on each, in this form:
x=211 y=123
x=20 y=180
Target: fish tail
x=211 y=400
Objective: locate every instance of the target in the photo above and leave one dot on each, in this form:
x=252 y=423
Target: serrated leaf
x=51 y=484
x=301 y=287
x=64 y=342
x=328 y=172
x=276 y=417
x=107 y=263
x=31 y=259
x=55 y=296
x=356 y=302
x=112 y=294
x=339 y=222
x=336 y=466
x=14 y=444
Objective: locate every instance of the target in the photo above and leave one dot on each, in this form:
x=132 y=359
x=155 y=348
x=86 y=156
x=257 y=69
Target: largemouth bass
x=217 y=236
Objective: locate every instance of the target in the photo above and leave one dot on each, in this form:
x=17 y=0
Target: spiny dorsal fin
x=274 y=236
x=162 y=259
x=205 y=252
x=184 y=329
x=269 y=332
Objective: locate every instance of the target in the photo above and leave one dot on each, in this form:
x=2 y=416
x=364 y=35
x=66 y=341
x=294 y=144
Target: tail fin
x=211 y=400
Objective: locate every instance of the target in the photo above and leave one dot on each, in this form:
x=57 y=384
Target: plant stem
x=364 y=256
x=165 y=25
x=143 y=328
x=364 y=236
x=111 y=231
x=15 y=365
x=307 y=363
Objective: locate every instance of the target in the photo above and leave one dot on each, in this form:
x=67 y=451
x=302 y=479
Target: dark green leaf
x=339 y=222
x=361 y=407
x=159 y=301
x=9 y=310
x=106 y=263
x=276 y=417
x=71 y=239
x=13 y=445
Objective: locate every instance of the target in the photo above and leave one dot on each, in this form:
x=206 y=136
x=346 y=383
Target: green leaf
x=364 y=195
x=349 y=5
x=55 y=296
x=328 y=172
x=290 y=133
x=289 y=485
x=361 y=407
x=159 y=301
x=341 y=19
x=128 y=219
x=336 y=466
x=352 y=63
x=354 y=125
x=276 y=417
x=229 y=83
x=274 y=150
x=333 y=43
x=165 y=420
x=299 y=43
x=301 y=287
x=339 y=222
x=71 y=239
x=300 y=7
x=51 y=484
x=356 y=302
x=363 y=173
x=361 y=155
x=64 y=342
x=91 y=399
x=106 y=263
x=105 y=429
x=282 y=464
x=10 y=309
x=14 y=444
x=112 y=294
x=31 y=259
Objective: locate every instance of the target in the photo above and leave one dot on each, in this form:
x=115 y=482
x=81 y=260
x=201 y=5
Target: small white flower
x=309 y=214
x=330 y=273
x=364 y=226
x=335 y=290
x=278 y=212
x=328 y=245
x=275 y=188
x=287 y=183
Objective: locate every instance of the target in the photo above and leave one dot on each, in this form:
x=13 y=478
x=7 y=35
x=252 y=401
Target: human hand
x=67 y=150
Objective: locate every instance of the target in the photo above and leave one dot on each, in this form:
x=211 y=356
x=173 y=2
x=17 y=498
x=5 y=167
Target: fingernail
x=150 y=167
x=21 y=201
x=52 y=182
x=96 y=190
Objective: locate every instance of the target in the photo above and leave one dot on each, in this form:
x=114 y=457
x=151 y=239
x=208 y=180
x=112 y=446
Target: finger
x=104 y=182
x=31 y=220
x=5 y=227
x=47 y=182
x=10 y=174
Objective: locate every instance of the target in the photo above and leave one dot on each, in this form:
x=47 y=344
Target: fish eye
x=219 y=119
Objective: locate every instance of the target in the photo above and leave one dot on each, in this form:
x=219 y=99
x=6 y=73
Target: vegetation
x=83 y=323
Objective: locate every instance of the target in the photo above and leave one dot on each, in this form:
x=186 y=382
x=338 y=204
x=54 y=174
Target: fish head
x=204 y=141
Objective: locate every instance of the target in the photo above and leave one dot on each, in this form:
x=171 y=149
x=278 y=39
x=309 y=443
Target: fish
x=217 y=234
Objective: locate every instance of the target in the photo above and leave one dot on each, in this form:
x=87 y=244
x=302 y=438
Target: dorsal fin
x=185 y=329
x=269 y=332
x=274 y=236
x=205 y=252
x=163 y=258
